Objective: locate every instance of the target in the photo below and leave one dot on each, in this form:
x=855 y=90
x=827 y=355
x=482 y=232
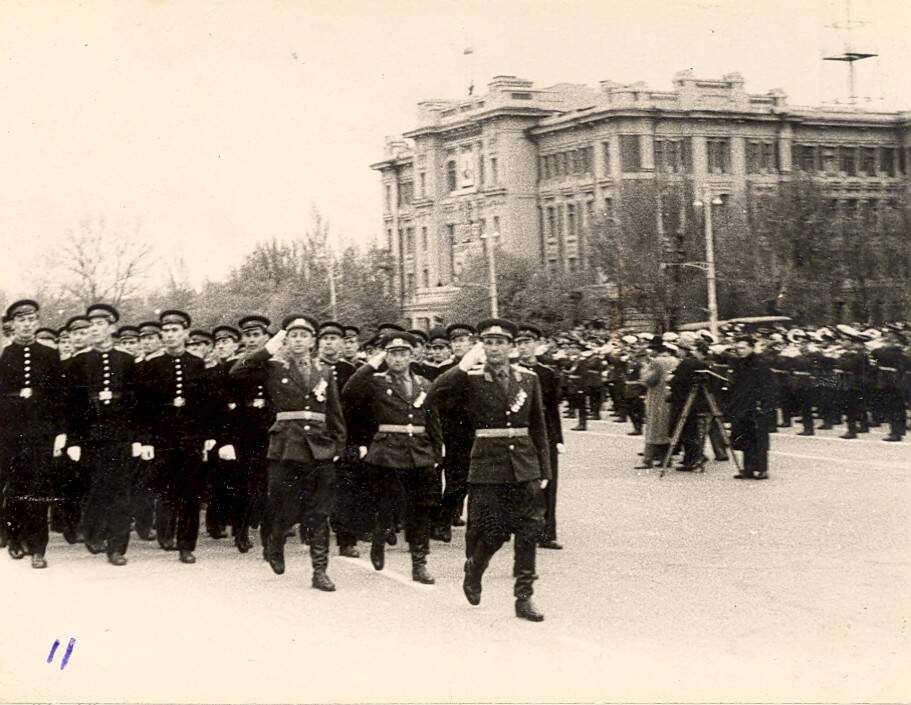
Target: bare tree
x=103 y=263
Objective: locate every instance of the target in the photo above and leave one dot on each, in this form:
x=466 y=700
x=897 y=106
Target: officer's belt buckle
x=25 y=392
x=179 y=401
x=105 y=395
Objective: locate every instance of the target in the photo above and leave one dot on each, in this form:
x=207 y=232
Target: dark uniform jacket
x=101 y=398
x=551 y=396
x=301 y=440
x=749 y=401
x=890 y=364
x=685 y=377
x=500 y=460
x=174 y=406
x=385 y=404
x=31 y=393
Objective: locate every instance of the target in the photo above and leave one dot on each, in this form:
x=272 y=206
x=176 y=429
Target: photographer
x=686 y=377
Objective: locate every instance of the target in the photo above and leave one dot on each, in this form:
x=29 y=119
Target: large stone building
x=537 y=166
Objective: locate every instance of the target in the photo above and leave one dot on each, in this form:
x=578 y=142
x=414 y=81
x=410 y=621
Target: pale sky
x=215 y=125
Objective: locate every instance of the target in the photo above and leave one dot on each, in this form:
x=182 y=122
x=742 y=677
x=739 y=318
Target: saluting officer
x=102 y=434
x=177 y=433
x=32 y=431
x=510 y=458
x=403 y=456
x=308 y=434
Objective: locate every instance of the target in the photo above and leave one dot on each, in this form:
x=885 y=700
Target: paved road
x=688 y=587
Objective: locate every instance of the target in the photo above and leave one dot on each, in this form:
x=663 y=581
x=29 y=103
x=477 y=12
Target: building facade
x=537 y=167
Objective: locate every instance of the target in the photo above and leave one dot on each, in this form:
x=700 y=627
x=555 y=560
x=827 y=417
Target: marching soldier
x=891 y=364
x=404 y=454
x=102 y=434
x=510 y=458
x=307 y=435
x=31 y=432
x=254 y=415
x=458 y=438
x=526 y=340
x=177 y=433
x=855 y=370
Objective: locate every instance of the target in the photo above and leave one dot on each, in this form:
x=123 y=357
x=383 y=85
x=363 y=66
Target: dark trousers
x=420 y=487
x=595 y=401
x=217 y=473
x=636 y=410
x=107 y=512
x=578 y=402
x=70 y=486
x=455 y=472
x=299 y=491
x=29 y=468
x=750 y=436
x=250 y=489
x=179 y=485
x=495 y=512
x=142 y=494
x=350 y=519
x=550 y=498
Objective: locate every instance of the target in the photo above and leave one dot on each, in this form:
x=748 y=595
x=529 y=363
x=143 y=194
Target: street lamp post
x=710 y=261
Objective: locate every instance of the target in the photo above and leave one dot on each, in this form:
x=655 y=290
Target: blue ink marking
x=67 y=653
x=50 y=656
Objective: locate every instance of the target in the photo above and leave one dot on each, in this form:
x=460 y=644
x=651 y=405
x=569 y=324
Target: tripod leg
x=717 y=418
x=678 y=430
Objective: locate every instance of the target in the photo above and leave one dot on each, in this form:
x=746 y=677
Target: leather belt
x=521 y=432
x=300 y=416
x=400 y=428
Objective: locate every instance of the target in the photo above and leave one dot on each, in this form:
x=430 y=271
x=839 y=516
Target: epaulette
x=81 y=352
x=521 y=368
x=152 y=356
x=380 y=373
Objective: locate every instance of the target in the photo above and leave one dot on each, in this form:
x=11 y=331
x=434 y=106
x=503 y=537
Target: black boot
x=319 y=557
x=275 y=552
x=525 y=578
x=419 y=571
x=378 y=548
x=474 y=570
x=851 y=432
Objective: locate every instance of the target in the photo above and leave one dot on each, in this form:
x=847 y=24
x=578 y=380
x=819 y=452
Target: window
x=496 y=224
x=406 y=193
x=409 y=283
x=389 y=239
x=849 y=160
x=672 y=155
x=425 y=278
x=769 y=159
x=521 y=96
x=450 y=249
x=605 y=155
x=409 y=241
x=630 y=157
x=388 y=198
x=887 y=160
x=718 y=152
x=608 y=208
x=829 y=160
x=806 y=159
x=589 y=211
x=494 y=176
x=570 y=220
x=868 y=161
x=561 y=164
x=551 y=222
x=482 y=172
x=571 y=265
x=452 y=182
x=424 y=239
x=560 y=222
x=422 y=185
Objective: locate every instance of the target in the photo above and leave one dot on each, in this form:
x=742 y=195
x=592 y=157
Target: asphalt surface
x=690 y=587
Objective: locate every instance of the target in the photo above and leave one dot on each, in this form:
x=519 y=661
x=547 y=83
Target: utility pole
x=333 y=304
x=492 y=273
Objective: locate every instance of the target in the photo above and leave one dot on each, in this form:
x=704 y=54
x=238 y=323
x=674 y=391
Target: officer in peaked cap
x=104 y=435
x=201 y=343
x=405 y=450
x=527 y=339
x=178 y=432
x=510 y=460
x=227 y=340
x=461 y=337
x=351 y=345
x=308 y=433
x=32 y=432
x=63 y=343
x=150 y=337
x=437 y=358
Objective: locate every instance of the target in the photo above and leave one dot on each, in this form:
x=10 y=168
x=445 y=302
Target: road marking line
x=391 y=574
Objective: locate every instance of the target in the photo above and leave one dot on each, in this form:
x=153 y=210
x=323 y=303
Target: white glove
x=59 y=444
x=543 y=484
x=148 y=453
x=442 y=450
x=137 y=449
x=376 y=359
x=274 y=344
x=208 y=445
x=472 y=357
x=227 y=453
x=362 y=451
x=74 y=453
x=561 y=448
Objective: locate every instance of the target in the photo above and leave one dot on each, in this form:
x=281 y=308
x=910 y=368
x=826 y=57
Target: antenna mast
x=850 y=55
